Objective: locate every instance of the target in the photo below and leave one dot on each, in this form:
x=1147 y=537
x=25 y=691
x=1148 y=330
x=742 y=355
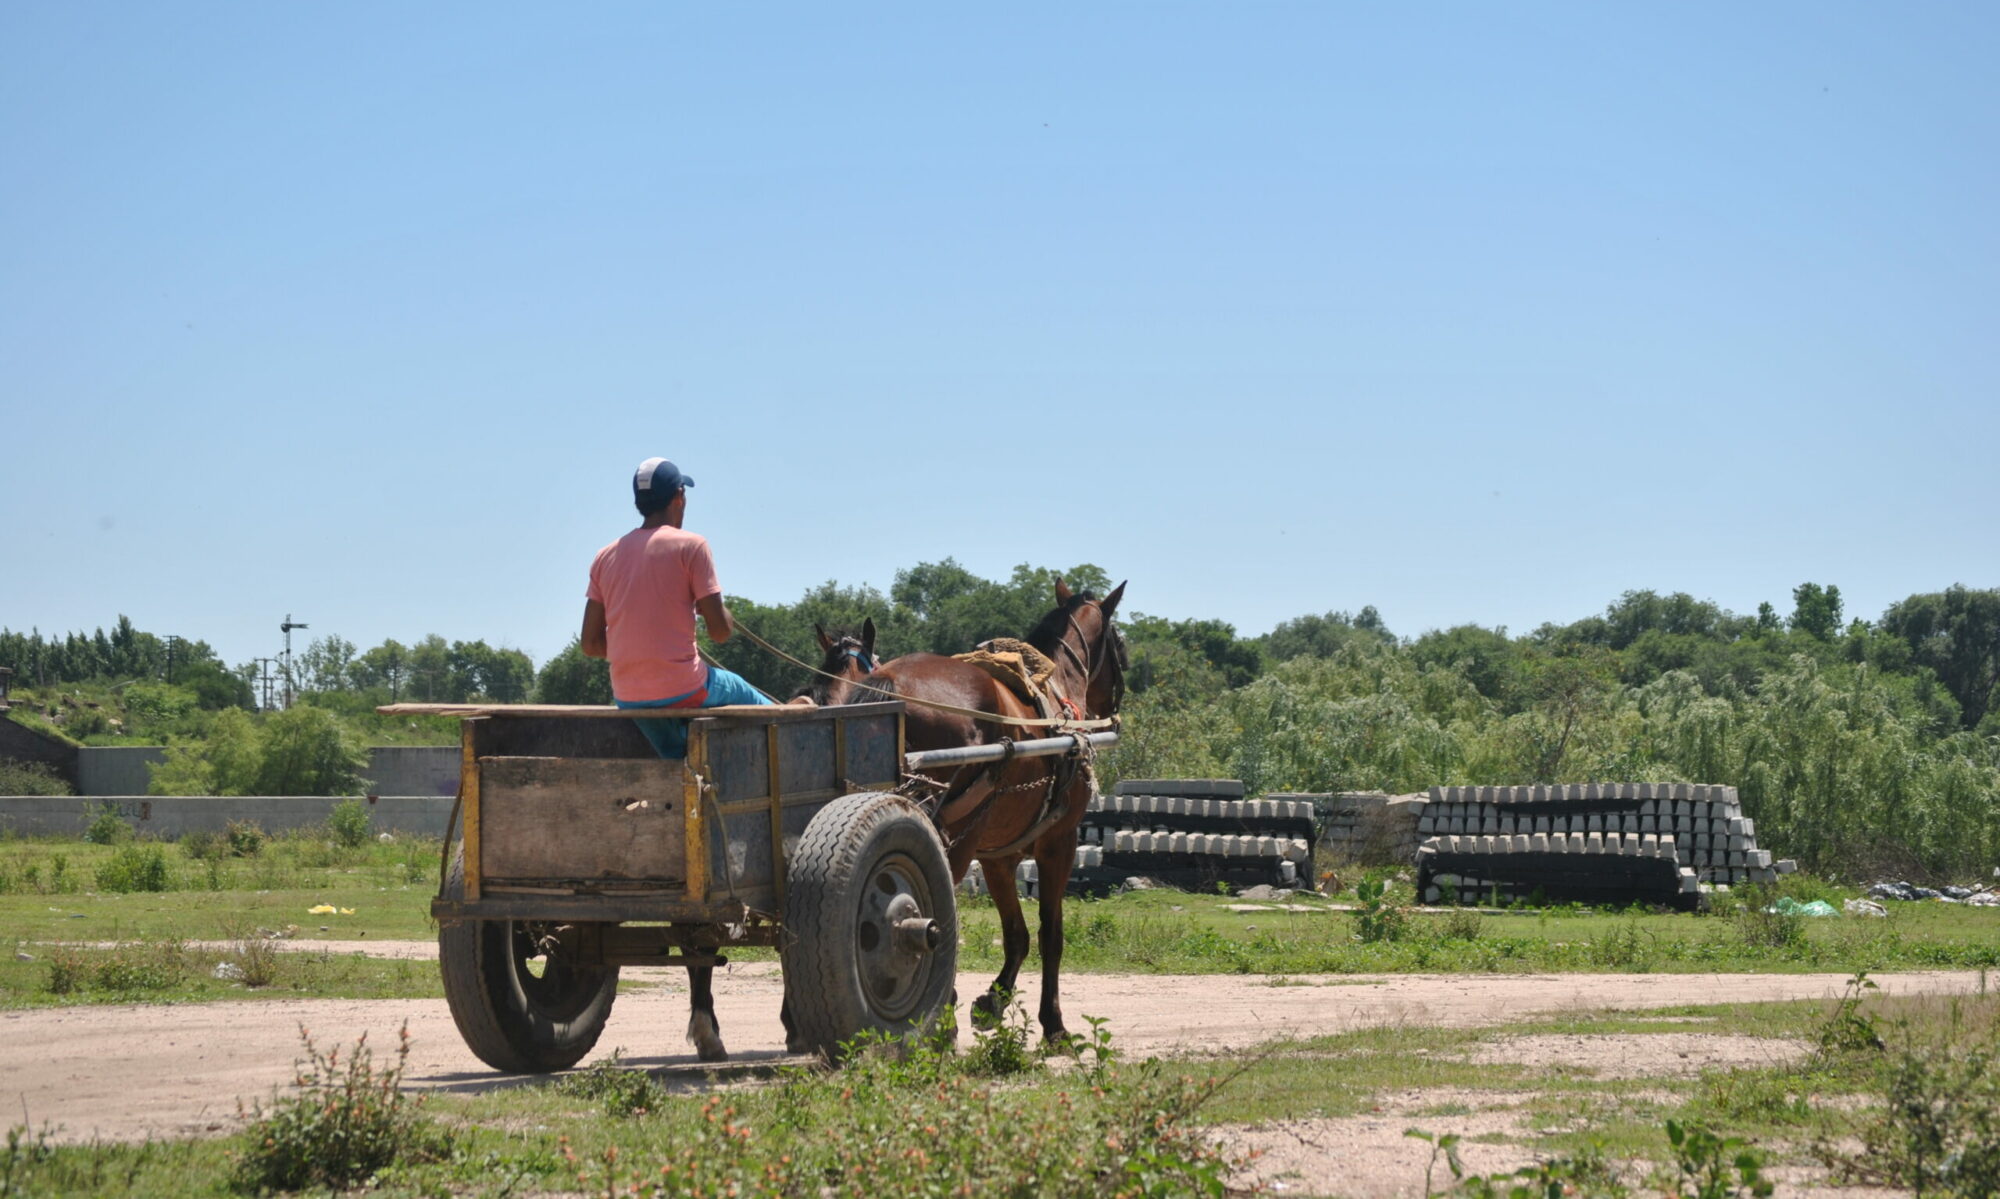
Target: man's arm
x=594 y=644
x=714 y=614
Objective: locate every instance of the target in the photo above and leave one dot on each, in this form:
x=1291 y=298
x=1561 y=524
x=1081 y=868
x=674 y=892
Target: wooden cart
x=581 y=851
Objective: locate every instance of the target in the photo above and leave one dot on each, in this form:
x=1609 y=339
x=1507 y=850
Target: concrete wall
x=23 y=744
x=426 y=770
x=171 y=816
x=413 y=770
x=116 y=769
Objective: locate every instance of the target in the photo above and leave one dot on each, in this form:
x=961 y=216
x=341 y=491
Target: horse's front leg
x=1013 y=938
x=1054 y=863
x=703 y=1032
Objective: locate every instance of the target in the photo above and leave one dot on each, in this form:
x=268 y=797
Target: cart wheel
x=519 y=1008
x=871 y=927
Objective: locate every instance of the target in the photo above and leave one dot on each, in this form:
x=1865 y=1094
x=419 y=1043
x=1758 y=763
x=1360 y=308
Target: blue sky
x=364 y=313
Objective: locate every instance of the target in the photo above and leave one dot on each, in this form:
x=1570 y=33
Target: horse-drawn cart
x=580 y=851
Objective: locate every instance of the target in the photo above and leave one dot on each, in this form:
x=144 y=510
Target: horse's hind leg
x=1013 y=939
x=1053 y=863
x=703 y=1032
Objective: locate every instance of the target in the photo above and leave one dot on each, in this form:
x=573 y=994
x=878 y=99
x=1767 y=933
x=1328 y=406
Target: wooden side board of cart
x=579 y=851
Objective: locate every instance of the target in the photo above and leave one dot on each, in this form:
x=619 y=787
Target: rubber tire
x=848 y=843
x=502 y=1024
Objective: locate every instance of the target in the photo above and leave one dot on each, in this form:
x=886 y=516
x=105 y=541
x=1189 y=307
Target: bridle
x=860 y=657
x=1098 y=655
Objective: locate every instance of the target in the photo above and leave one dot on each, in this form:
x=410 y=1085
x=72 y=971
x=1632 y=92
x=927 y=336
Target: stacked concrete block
x=1711 y=836
x=1559 y=867
x=1195 y=833
x=1027 y=876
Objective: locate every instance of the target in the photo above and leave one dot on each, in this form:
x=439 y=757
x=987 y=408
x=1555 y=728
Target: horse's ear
x=825 y=642
x=1062 y=591
x=868 y=636
x=1110 y=603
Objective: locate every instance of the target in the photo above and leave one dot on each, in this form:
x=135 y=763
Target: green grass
x=168 y=971
x=1172 y=933
x=50 y=891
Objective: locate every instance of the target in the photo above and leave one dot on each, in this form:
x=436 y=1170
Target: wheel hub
x=894 y=937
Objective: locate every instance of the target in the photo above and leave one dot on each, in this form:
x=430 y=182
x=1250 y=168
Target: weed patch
x=107 y=828
x=135 y=868
x=1938 y=1131
x=347 y=1122
x=348 y=823
x=120 y=970
x=623 y=1092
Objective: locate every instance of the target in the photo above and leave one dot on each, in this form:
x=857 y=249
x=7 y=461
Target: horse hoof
x=706 y=1039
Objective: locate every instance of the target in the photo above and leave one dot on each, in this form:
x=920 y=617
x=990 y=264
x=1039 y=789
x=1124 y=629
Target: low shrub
x=914 y=1118
x=1715 y=1167
x=624 y=1092
x=1460 y=925
x=1002 y=1046
x=1377 y=917
x=107 y=828
x=246 y=838
x=346 y=1122
x=31 y=778
x=121 y=969
x=134 y=868
x=1763 y=926
x=1938 y=1129
x=204 y=846
x=26 y=1152
x=254 y=955
x=348 y=823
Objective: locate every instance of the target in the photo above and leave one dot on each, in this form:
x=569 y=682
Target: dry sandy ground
x=138 y=1071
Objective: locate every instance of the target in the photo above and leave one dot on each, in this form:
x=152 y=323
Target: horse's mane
x=1049 y=630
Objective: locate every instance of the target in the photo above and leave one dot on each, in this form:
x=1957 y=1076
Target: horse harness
x=1083 y=759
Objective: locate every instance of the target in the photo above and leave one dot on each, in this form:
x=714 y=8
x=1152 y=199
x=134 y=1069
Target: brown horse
x=997 y=815
x=845 y=661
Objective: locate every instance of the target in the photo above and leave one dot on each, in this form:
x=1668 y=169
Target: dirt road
x=131 y=1072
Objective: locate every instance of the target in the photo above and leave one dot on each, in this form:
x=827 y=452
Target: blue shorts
x=723 y=689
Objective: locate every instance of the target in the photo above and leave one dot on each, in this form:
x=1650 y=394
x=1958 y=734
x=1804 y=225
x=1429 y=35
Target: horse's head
x=1084 y=642
x=846 y=657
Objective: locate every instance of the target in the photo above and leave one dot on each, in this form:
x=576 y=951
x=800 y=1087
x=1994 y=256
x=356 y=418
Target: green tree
x=386 y=666
x=431 y=680
x=1956 y=633
x=226 y=758
x=1816 y=610
x=307 y=751
x=1325 y=635
x=571 y=678
x=1157 y=645
x=326 y=665
x=1486 y=657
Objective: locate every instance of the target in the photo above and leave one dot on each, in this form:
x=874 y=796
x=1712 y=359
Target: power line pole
x=265 y=681
x=287 y=628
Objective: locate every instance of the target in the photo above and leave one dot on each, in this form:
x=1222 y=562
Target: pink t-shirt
x=648 y=581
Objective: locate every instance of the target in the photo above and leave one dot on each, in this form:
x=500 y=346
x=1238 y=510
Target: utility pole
x=287 y=628
x=265 y=680
x=173 y=644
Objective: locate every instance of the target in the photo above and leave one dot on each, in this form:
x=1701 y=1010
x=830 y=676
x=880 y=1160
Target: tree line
x=1851 y=740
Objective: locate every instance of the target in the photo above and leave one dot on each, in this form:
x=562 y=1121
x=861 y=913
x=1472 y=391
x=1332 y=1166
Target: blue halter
x=862 y=656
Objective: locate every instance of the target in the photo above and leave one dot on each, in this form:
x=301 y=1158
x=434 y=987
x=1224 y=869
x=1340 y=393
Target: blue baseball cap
x=655 y=483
